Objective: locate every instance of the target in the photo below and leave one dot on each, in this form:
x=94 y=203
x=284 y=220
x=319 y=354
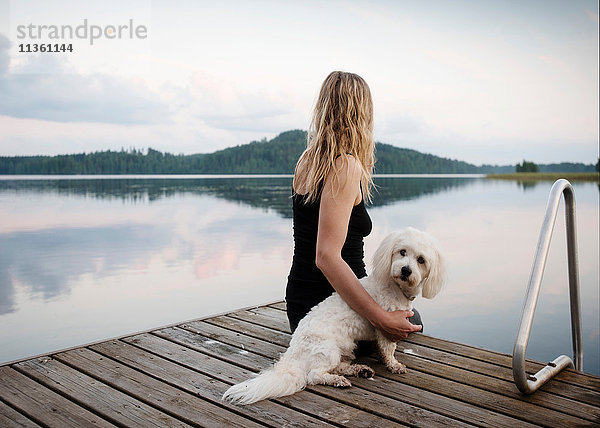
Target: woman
x=333 y=178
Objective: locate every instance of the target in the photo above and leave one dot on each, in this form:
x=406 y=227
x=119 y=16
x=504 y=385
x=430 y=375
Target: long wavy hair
x=342 y=123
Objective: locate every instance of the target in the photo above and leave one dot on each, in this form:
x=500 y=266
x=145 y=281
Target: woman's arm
x=334 y=216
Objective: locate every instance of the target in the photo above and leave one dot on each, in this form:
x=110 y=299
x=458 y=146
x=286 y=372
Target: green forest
x=276 y=156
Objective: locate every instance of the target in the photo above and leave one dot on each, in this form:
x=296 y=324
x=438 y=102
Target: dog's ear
x=382 y=259
x=437 y=276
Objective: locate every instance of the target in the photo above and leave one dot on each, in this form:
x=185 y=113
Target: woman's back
x=307 y=285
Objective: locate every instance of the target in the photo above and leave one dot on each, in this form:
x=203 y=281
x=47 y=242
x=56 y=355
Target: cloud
x=397 y=126
x=223 y=105
x=62 y=95
x=49 y=108
x=444 y=81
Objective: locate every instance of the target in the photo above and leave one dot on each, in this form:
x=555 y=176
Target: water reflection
x=82 y=260
x=211 y=235
x=390 y=190
x=267 y=193
x=527 y=185
x=53 y=234
x=75 y=269
x=47 y=263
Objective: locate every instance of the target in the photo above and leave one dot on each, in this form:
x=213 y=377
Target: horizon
x=144 y=151
x=483 y=82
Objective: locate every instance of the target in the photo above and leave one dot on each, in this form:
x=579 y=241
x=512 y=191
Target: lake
x=89 y=258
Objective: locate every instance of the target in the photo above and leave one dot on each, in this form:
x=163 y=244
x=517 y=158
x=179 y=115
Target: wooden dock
x=175 y=376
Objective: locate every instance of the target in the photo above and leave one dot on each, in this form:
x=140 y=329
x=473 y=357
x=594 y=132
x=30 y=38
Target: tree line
x=277 y=156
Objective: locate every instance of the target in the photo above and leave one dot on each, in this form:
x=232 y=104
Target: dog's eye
x=421 y=260
x=402 y=253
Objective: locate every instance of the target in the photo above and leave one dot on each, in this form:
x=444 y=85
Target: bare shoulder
x=348 y=168
x=348 y=172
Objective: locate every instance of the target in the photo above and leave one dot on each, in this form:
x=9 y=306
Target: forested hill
x=394 y=160
x=277 y=156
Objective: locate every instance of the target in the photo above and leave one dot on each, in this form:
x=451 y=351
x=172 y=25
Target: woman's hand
x=395 y=326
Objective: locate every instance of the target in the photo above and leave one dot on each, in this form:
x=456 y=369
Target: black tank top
x=307 y=286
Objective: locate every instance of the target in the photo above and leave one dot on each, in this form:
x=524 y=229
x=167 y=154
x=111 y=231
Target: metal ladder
x=528 y=384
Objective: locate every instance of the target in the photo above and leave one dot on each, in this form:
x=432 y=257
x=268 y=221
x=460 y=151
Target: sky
x=484 y=81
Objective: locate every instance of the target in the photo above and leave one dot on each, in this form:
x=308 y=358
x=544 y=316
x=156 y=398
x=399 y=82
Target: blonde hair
x=342 y=123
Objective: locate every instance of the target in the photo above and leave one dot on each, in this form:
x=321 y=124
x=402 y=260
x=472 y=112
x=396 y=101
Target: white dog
x=321 y=350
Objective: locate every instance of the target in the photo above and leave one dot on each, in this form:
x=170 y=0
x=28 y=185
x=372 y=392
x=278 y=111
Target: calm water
x=88 y=259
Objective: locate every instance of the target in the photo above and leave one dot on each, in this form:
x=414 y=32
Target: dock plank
x=575 y=398
x=372 y=403
x=42 y=405
x=574 y=392
x=254 y=363
x=475 y=353
x=413 y=394
x=202 y=385
x=263 y=320
x=235 y=338
x=184 y=406
x=478 y=374
x=305 y=401
x=484 y=398
x=95 y=396
x=278 y=305
x=274 y=316
x=410 y=395
x=10 y=418
x=215 y=348
x=176 y=375
x=247 y=328
x=493 y=396
x=272 y=351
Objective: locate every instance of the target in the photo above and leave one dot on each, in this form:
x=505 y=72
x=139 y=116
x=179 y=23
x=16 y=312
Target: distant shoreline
x=547 y=176
x=200 y=176
x=521 y=176
x=276 y=156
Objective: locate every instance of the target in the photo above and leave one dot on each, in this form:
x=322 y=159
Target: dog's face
x=410 y=259
x=411 y=263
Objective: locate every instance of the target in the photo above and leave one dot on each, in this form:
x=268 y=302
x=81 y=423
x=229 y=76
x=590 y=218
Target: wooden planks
x=186 y=407
x=495 y=388
x=94 y=395
x=41 y=404
x=371 y=402
x=175 y=376
x=10 y=418
x=181 y=374
x=503 y=360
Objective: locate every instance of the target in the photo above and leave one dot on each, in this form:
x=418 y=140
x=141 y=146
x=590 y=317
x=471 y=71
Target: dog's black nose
x=406 y=270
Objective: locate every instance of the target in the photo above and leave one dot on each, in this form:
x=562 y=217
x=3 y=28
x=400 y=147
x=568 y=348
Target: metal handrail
x=528 y=384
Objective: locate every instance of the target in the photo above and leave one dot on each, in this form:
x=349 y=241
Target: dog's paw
x=365 y=372
x=398 y=368
x=341 y=382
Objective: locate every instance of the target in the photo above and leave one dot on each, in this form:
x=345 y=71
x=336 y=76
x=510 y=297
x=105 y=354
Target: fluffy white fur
x=322 y=347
